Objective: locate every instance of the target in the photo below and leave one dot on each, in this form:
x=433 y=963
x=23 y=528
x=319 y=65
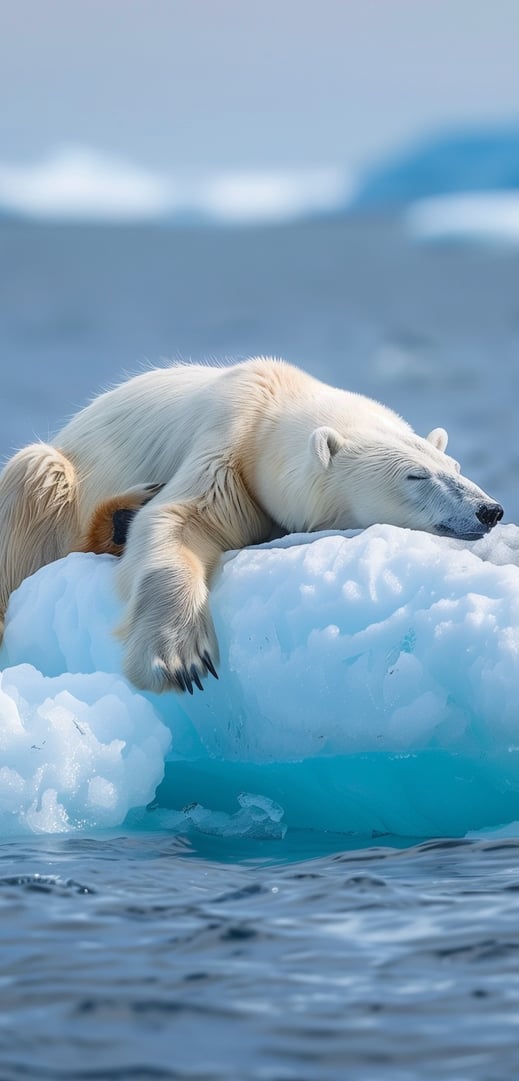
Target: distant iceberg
x=463 y=161
x=79 y=185
x=487 y=217
x=75 y=184
x=369 y=684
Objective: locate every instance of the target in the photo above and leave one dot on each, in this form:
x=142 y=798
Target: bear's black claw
x=179 y=679
x=187 y=681
x=196 y=678
x=209 y=665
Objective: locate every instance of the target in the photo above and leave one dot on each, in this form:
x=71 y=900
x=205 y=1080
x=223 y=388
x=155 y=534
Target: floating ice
x=368 y=683
x=258 y=817
x=76 y=750
x=261 y=197
x=491 y=217
x=76 y=184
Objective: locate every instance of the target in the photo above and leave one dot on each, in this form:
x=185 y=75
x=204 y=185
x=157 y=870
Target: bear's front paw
x=174 y=659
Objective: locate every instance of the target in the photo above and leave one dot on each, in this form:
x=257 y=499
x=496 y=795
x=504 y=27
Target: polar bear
x=230 y=453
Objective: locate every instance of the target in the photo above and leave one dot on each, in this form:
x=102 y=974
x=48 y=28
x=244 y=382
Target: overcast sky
x=243 y=84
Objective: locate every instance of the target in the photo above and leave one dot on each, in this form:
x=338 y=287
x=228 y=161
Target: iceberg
x=76 y=184
x=467 y=160
x=483 y=217
x=81 y=184
x=368 y=685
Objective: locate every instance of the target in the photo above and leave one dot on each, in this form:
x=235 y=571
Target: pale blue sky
x=242 y=84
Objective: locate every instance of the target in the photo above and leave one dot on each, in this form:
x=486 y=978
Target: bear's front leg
x=168 y=632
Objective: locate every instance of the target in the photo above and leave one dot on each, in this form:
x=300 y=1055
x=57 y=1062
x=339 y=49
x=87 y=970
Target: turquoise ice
x=368 y=684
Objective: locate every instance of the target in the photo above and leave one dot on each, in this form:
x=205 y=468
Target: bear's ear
x=324 y=443
x=439 y=438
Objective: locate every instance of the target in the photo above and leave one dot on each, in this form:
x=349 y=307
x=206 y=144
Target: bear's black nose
x=489 y=514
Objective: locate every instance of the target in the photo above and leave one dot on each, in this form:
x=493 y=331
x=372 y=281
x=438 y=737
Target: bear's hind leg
x=39 y=515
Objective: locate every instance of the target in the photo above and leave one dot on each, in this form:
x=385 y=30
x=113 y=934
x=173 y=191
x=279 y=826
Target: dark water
x=144 y=955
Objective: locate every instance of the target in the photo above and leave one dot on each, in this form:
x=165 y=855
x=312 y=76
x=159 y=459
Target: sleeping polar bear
x=232 y=454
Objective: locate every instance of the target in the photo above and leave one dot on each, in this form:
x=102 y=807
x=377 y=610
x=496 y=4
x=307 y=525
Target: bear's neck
x=280 y=471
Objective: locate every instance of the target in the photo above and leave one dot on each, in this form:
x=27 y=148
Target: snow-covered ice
x=368 y=683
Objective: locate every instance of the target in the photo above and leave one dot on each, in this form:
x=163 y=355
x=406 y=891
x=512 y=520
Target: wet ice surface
x=143 y=956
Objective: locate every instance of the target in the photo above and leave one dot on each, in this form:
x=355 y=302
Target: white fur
x=239 y=451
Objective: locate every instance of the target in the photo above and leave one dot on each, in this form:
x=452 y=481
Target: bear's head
x=399 y=479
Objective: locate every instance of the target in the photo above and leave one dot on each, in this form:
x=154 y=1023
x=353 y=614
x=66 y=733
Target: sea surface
x=141 y=954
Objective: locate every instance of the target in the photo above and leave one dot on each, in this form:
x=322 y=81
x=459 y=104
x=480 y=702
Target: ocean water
x=142 y=954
